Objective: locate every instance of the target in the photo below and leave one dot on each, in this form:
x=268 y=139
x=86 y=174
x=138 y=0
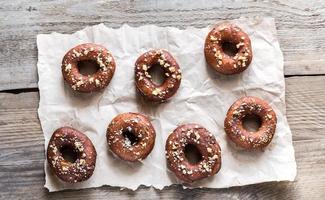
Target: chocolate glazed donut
x=214 y=52
x=247 y=106
x=143 y=81
x=93 y=53
x=206 y=144
x=82 y=168
x=131 y=136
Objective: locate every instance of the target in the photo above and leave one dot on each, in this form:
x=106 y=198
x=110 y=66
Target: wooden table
x=301 y=31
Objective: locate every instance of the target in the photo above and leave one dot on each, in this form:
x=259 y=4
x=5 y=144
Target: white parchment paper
x=203 y=97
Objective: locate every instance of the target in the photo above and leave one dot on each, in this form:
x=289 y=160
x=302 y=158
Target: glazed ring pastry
x=89 y=52
x=67 y=140
x=131 y=136
x=192 y=134
x=250 y=106
x=143 y=81
x=220 y=61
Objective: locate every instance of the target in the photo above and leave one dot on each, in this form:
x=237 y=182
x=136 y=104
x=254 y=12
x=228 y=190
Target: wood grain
x=22 y=153
x=300 y=24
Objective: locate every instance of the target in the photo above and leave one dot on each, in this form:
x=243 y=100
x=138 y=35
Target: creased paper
x=203 y=97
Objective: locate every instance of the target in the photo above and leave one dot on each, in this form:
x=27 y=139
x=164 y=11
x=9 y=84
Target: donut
x=192 y=134
x=215 y=55
x=92 y=53
x=172 y=75
x=131 y=136
x=67 y=139
x=250 y=106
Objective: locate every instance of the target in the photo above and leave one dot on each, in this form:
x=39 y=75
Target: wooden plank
x=22 y=153
x=300 y=23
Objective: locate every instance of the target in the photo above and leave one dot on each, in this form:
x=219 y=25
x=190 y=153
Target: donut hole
x=252 y=122
x=157 y=74
x=88 y=67
x=229 y=48
x=69 y=153
x=192 y=154
x=130 y=138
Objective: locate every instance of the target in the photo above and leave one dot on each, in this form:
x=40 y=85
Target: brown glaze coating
x=88 y=52
x=234 y=123
x=139 y=126
x=143 y=81
x=84 y=165
x=222 y=62
x=206 y=144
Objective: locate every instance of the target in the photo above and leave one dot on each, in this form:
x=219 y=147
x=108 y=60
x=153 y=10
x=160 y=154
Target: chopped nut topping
x=215 y=157
x=82 y=161
x=242 y=137
x=67 y=67
x=79 y=83
x=79 y=146
x=155 y=91
x=97 y=82
x=109 y=59
x=213 y=39
x=166 y=65
x=161 y=62
x=91 y=80
x=239 y=45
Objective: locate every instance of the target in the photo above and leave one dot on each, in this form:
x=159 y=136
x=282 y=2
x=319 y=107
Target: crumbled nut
x=197 y=135
x=65 y=168
x=79 y=83
x=215 y=157
x=67 y=67
x=109 y=59
x=97 y=82
x=82 y=161
x=212 y=38
x=79 y=146
x=242 y=137
x=161 y=62
x=239 y=44
x=155 y=92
